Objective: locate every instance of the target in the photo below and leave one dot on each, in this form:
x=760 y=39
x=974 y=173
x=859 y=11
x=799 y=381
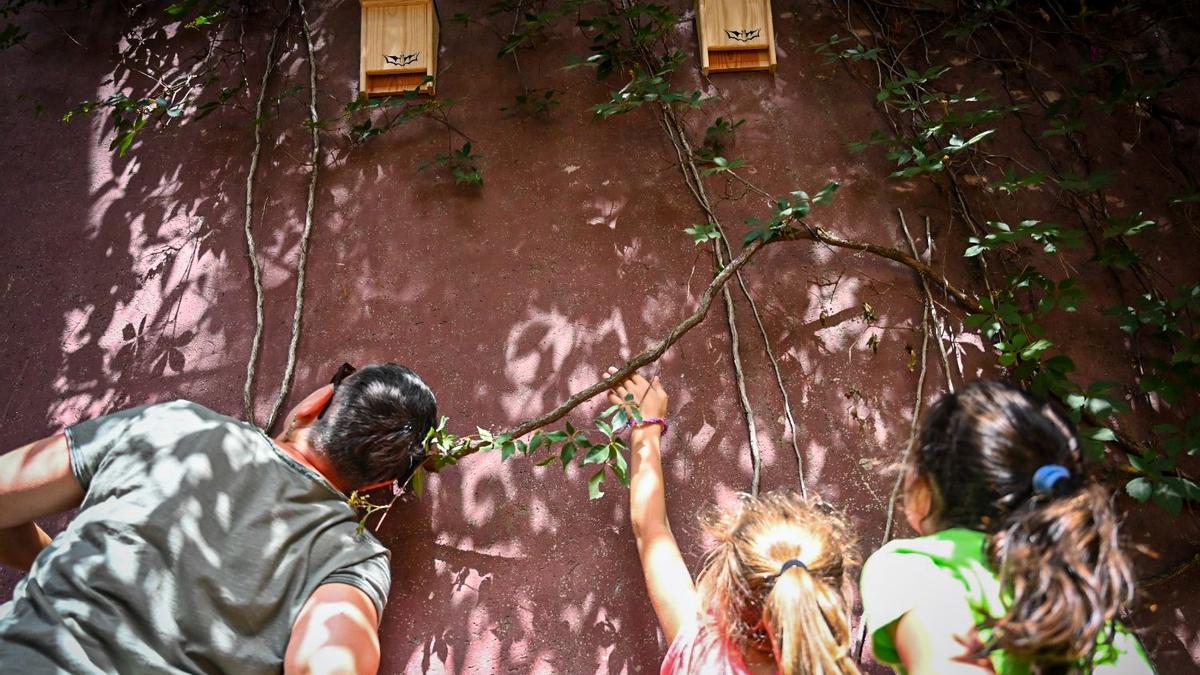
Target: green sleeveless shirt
x=904 y=571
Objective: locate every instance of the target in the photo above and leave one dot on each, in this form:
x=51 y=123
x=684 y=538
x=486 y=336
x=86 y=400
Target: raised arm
x=672 y=592
x=35 y=481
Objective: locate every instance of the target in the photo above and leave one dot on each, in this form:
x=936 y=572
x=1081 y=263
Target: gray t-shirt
x=197 y=543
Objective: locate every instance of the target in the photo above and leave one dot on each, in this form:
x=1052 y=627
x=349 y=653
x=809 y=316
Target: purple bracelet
x=633 y=424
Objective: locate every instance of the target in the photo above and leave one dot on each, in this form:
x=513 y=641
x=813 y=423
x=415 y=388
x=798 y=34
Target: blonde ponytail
x=777 y=580
x=809 y=625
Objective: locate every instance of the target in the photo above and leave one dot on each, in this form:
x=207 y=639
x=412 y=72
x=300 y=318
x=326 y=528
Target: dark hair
x=375 y=427
x=803 y=610
x=1056 y=550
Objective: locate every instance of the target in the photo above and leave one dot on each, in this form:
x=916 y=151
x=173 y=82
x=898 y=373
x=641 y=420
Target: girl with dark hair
x=772 y=595
x=1019 y=567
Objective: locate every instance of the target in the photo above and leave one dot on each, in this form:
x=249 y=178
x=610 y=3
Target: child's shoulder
x=908 y=573
x=947 y=548
x=953 y=561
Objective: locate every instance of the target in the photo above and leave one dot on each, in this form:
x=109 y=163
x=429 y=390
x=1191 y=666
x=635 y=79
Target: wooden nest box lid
x=735 y=35
x=399 y=46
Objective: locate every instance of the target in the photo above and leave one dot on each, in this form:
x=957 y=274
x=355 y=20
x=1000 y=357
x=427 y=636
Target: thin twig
x=912 y=433
x=743 y=397
x=906 y=457
x=937 y=327
x=302 y=264
x=787 y=403
x=824 y=236
x=938 y=324
x=251 y=252
x=1173 y=573
x=695 y=183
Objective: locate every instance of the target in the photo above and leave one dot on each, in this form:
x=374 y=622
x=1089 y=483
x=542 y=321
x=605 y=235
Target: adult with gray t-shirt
x=202 y=545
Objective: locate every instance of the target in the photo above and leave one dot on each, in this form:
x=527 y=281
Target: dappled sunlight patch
x=814 y=456
x=606 y=212
x=537 y=351
x=575 y=614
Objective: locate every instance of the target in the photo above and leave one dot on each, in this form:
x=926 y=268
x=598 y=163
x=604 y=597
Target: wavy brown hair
x=801 y=615
x=1057 y=552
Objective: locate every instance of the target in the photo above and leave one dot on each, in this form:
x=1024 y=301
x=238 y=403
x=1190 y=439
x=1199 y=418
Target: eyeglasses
x=343 y=371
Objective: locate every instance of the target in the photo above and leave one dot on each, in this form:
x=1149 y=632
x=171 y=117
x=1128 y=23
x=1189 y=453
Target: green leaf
x=598 y=454
x=980 y=136
x=417 y=482
x=1147 y=465
x=567 y=454
x=720 y=164
x=825 y=195
x=754 y=235
x=547 y=460
x=1102 y=434
x=704 y=232
x=1036 y=348
x=1166 y=497
x=621 y=467
x=124 y=144
x=976 y=320
x=1060 y=364
x=594 y=485
x=604 y=428
x=1140 y=489
x=1183 y=487
x=536 y=441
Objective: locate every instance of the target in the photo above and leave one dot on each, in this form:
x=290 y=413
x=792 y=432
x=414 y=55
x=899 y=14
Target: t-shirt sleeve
x=92 y=442
x=894 y=582
x=372 y=576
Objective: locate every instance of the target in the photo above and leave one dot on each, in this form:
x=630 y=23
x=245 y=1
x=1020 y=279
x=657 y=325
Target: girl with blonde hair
x=772 y=594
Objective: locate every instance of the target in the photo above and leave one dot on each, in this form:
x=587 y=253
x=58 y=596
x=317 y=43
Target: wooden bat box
x=735 y=35
x=399 y=46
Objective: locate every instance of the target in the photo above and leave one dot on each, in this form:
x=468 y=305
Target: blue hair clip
x=1048 y=476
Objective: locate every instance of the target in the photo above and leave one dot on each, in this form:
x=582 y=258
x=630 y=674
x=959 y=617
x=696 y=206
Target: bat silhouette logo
x=402 y=59
x=744 y=35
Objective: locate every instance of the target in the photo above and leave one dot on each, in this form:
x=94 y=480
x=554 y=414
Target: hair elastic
x=789 y=565
x=1048 y=476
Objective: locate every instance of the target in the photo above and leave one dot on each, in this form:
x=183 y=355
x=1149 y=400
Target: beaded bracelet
x=632 y=424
